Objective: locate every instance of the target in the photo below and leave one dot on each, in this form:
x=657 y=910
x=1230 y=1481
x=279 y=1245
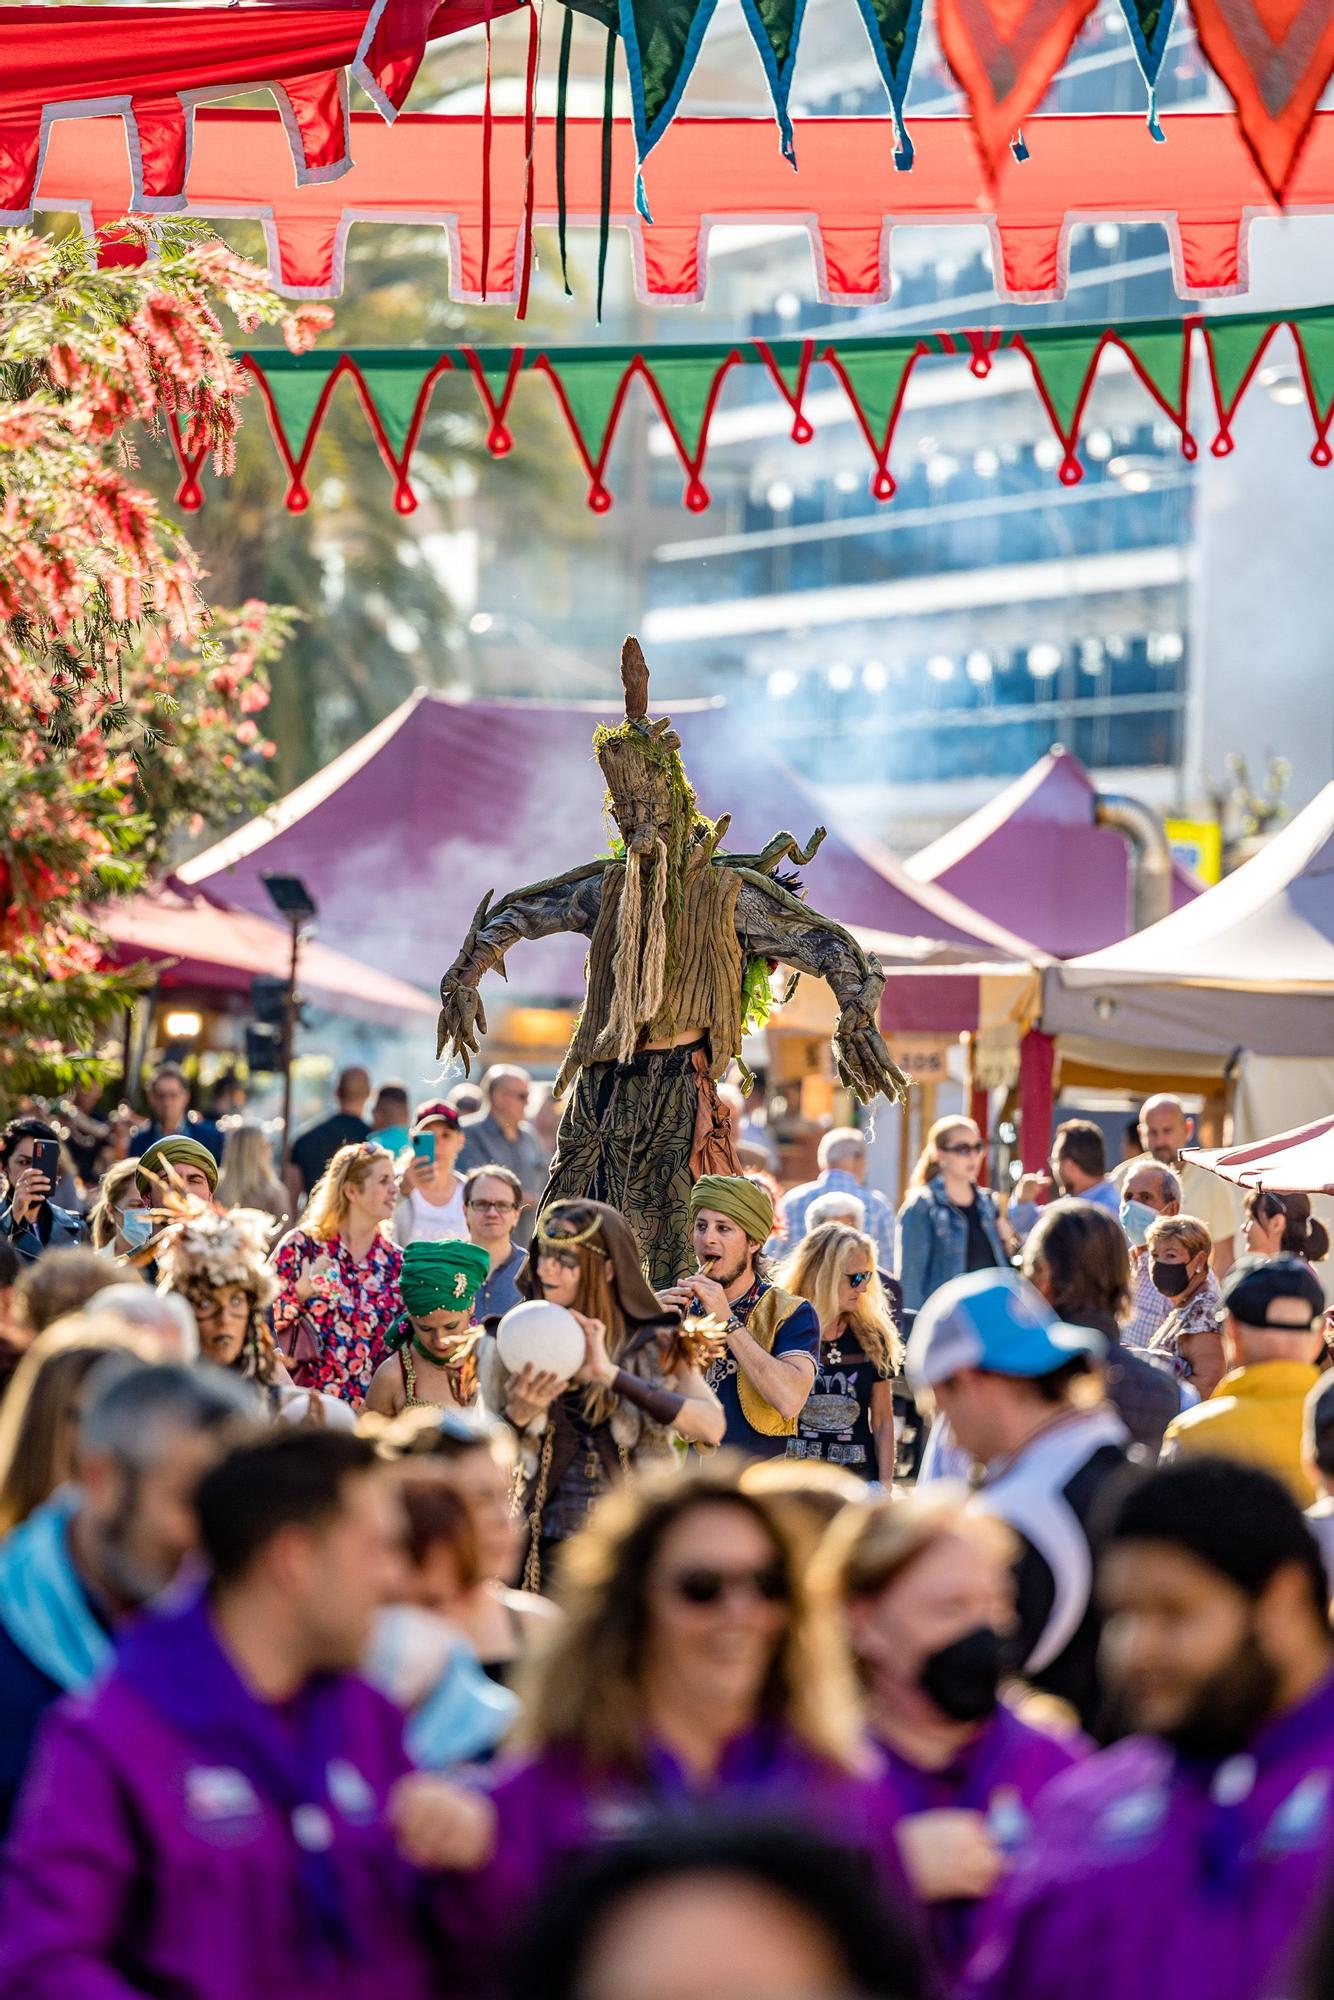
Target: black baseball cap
x=1254 y=1284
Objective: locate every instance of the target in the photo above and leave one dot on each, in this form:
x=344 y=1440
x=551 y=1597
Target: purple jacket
x=1000 y=1774
x=1155 y=1879
x=549 y=1807
x=176 y=1836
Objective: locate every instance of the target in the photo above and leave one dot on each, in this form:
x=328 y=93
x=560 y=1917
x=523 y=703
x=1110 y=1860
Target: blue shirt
x=837 y=1180
x=799 y=1334
x=1105 y=1194
x=500 y=1292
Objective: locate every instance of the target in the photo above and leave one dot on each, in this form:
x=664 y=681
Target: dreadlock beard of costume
x=641 y=953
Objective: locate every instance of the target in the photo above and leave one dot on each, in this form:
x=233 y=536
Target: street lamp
x=295 y=904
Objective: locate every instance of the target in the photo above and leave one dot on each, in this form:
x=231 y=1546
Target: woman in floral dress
x=339 y=1276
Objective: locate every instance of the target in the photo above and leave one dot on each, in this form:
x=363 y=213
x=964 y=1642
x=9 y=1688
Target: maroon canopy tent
x=1035 y=859
x=198 y=943
x=400 y=837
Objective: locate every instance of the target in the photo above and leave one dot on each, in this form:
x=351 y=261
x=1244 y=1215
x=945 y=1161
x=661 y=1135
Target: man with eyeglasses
x=492 y=1199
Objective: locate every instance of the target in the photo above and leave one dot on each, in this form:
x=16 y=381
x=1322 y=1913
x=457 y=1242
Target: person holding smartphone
x=30 y=1161
x=430 y=1204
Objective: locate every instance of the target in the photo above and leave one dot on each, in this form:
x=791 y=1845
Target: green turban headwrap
x=741 y=1201
x=438 y=1277
x=177 y=1152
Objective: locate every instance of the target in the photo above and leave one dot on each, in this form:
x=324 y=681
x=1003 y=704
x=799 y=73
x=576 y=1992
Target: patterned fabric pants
x=638 y=1135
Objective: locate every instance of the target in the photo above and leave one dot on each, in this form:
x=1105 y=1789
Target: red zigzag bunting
x=591 y=386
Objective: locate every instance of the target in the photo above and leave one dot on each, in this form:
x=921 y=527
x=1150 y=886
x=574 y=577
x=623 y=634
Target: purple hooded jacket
x=549 y=1807
x=1000 y=1774
x=1153 y=1878
x=176 y=1836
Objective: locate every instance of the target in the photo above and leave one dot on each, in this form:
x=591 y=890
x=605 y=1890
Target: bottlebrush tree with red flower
x=128 y=705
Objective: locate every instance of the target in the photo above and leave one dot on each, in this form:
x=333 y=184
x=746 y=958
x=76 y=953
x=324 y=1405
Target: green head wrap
x=177 y=1152
x=437 y=1277
x=740 y=1200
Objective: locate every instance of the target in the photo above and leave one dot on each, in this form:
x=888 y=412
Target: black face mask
x=1169 y=1279
x=962 y=1678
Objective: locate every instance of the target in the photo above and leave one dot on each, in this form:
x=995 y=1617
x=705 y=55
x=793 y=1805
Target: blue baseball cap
x=997 y=1322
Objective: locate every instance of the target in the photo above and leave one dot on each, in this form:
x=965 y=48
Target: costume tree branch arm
x=773 y=923
x=567 y=902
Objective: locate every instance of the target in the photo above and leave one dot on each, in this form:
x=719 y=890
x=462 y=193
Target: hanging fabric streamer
x=608 y=127
x=562 y=116
x=488 y=127
x=529 y=135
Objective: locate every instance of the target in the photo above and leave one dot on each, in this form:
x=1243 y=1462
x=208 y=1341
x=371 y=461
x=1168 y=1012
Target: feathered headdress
x=215 y=1250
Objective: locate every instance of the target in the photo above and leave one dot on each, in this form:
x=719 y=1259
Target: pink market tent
x=198 y=942
x=1300 y=1161
x=400 y=837
x=1035 y=859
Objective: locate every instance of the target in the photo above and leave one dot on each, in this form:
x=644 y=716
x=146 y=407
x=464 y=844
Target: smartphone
x=424 y=1146
x=46 y=1159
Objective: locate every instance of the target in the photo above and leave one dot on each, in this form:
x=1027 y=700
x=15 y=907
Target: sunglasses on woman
x=859 y=1278
x=703 y=1587
x=969 y=1146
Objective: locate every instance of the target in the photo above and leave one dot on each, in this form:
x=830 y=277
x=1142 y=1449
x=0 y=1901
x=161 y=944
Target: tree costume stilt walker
x=683 y=935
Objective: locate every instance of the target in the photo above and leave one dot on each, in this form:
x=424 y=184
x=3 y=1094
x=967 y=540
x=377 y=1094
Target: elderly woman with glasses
x=948 y=1224
x=692 y=1668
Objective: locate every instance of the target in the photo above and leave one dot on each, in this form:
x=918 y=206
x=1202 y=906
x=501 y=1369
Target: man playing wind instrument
x=683 y=938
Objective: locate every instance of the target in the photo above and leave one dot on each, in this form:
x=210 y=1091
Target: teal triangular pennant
x=893 y=26
x=775 y=27
x=662 y=40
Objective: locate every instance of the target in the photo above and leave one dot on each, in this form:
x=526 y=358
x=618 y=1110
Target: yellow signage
x=1198 y=845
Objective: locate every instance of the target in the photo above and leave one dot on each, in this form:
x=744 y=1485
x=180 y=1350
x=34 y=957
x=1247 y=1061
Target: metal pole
x=289 y=1041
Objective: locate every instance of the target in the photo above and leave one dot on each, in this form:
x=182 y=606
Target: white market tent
x=1248 y=966
x=1301 y=1160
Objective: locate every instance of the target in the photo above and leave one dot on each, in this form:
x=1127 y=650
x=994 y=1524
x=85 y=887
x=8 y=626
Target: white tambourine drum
x=541 y=1336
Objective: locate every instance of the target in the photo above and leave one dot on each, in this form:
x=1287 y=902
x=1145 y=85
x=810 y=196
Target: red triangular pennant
x=1004 y=53
x=1274 y=57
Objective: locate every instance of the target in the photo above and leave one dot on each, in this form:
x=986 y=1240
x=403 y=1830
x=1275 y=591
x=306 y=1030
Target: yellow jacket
x=1254 y=1414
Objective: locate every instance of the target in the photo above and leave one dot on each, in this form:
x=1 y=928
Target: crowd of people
x=927 y=1604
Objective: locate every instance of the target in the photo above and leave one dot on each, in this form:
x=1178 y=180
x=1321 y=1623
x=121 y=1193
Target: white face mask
x=1137 y=1219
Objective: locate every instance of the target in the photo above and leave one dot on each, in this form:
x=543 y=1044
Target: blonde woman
x=1180 y=1251
x=692 y=1668
x=948 y=1224
x=338 y=1276
x=848 y=1419
x=248 y=1179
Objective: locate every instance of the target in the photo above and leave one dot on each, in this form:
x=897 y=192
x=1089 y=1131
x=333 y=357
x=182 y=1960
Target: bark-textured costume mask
x=681 y=933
